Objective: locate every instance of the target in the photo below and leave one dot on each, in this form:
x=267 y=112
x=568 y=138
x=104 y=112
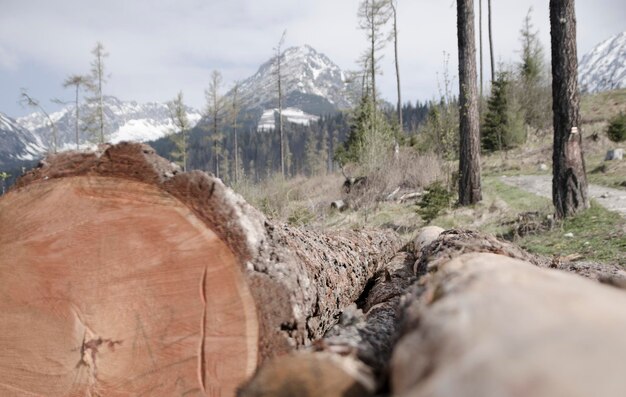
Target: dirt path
x=541 y=185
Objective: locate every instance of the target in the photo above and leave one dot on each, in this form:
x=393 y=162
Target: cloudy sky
x=158 y=47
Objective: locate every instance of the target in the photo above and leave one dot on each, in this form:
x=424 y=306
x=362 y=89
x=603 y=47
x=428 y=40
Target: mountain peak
x=311 y=82
x=603 y=68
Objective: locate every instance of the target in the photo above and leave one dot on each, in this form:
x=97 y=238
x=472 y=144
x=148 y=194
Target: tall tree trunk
x=77 y=115
x=569 y=183
x=493 y=68
x=159 y=283
x=480 y=35
x=469 y=164
x=395 y=48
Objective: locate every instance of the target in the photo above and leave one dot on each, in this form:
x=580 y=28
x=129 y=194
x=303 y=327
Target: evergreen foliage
x=435 y=201
x=178 y=114
x=617 y=128
x=503 y=127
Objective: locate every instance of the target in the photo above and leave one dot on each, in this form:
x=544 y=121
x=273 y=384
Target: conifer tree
x=469 y=153
x=77 y=81
x=569 y=181
x=178 y=114
x=214 y=109
x=96 y=119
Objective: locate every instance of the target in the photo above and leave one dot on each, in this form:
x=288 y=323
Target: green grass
x=599 y=235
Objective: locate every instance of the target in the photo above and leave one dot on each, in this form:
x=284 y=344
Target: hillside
x=604 y=67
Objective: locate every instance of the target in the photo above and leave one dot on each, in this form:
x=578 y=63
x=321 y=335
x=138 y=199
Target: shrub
x=503 y=128
x=617 y=128
x=437 y=199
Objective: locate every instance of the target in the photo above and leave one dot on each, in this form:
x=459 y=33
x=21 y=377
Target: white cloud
x=160 y=47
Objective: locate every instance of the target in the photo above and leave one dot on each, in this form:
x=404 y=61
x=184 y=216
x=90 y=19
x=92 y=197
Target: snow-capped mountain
x=17 y=143
x=124 y=121
x=290 y=115
x=604 y=67
x=311 y=82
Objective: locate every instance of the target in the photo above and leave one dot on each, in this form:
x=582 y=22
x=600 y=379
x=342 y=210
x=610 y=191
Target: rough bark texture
x=569 y=183
x=491 y=57
x=353 y=357
x=488 y=325
x=469 y=162
x=453 y=243
x=121 y=276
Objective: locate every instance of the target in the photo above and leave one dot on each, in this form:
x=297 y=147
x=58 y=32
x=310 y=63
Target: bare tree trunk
x=469 y=164
x=395 y=48
x=480 y=35
x=200 y=287
x=493 y=68
x=569 y=183
x=77 y=115
x=278 y=57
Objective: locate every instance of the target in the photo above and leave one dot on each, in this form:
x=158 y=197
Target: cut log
x=453 y=243
x=121 y=276
x=352 y=359
x=489 y=325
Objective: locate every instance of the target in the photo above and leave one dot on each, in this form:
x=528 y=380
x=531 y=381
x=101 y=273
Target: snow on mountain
x=291 y=115
x=604 y=67
x=310 y=82
x=124 y=121
x=17 y=143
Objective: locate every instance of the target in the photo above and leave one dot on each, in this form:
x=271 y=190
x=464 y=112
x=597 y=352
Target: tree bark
x=122 y=276
x=493 y=68
x=480 y=35
x=569 y=183
x=469 y=164
x=490 y=325
x=352 y=359
x=395 y=48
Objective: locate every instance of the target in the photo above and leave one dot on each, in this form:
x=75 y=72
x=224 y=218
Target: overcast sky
x=159 y=47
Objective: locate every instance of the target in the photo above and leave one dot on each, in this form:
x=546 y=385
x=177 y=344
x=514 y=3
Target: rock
x=614 y=154
x=426 y=236
x=339 y=205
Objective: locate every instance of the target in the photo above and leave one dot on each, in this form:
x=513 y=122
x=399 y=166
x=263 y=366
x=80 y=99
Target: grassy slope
x=598 y=234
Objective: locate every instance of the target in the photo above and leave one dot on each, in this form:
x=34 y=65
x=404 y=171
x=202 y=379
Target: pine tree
x=503 y=127
x=569 y=182
x=373 y=16
x=180 y=138
x=96 y=119
x=77 y=81
x=215 y=106
x=534 y=95
x=469 y=153
x=26 y=99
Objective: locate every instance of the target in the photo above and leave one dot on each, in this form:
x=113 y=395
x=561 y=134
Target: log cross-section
x=120 y=276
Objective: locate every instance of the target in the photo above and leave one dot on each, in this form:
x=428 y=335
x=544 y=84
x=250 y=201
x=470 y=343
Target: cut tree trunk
x=121 y=276
x=352 y=359
x=489 y=325
x=569 y=183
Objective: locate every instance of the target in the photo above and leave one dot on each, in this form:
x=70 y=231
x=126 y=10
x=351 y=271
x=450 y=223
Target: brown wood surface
x=119 y=275
x=113 y=287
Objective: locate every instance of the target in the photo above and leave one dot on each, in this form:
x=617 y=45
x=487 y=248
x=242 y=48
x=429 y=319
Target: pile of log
x=122 y=276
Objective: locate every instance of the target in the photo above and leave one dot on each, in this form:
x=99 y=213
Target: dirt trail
x=541 y=185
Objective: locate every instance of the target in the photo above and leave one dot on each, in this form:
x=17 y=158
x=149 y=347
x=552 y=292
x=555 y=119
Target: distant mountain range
x=311 y=82
x=312 y=86
x=17 y=143
x=125 y=121
x=604 y=67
